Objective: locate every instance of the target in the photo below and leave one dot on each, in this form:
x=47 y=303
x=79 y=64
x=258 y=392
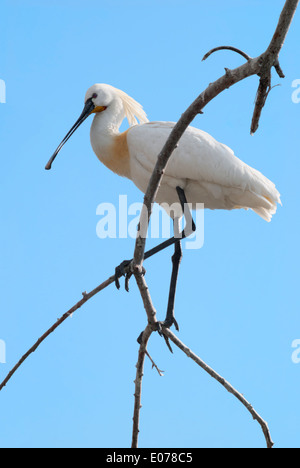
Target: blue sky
x=237 y=302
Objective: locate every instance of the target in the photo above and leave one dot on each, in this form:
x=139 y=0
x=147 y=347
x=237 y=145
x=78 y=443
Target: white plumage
x=207 y=171
x=201 y=170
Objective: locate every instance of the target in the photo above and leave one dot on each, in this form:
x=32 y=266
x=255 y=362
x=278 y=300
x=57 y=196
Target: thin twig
x=86 y=297
x=65 y=316
x=223 y=382
x=154 y=366
x=233 y=49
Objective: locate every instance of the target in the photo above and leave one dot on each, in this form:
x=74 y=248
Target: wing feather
x=201 y=159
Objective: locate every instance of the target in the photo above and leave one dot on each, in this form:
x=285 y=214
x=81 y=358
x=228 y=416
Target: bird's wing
x=198 y=157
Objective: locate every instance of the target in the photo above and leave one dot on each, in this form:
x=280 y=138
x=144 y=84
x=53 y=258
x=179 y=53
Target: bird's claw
x=127 y=279
x=169 y=322
x=121 y=270
x=166 y=324
x=159 y=326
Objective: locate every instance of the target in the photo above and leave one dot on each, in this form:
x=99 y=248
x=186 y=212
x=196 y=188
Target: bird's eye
x=95 y=95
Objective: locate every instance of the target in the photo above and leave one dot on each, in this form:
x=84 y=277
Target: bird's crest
x=133 y=110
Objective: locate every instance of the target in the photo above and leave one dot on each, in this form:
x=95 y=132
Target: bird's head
x=101 y=96
x=98 y=98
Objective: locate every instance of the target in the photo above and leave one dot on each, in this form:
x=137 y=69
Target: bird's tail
x=266 y=213
x=266 y=196
x=258 y=194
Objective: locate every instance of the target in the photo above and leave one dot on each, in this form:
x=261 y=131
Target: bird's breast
x=113 y=152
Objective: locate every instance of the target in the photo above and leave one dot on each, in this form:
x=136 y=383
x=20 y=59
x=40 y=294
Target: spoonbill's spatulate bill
x=201 y=170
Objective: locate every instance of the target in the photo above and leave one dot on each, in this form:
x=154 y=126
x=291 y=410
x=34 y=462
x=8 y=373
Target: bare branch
x=144 y=291
x=86 y=297
x=282 y=28
x=223 y=382
x=138 y=385
x=270 y=59
x=233 y=49
x=261 y=98
x=279 y=69
x=65 y=316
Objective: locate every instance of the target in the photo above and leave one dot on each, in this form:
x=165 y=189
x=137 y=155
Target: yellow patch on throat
x=98 y=109
x=116 y=157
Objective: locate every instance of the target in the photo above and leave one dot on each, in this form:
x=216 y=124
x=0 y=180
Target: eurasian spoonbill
x=201 y=170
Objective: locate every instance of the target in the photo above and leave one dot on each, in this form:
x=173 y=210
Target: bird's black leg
x=189 y=229
x=176 y=259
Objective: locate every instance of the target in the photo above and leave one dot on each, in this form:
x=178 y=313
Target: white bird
x=200 y=170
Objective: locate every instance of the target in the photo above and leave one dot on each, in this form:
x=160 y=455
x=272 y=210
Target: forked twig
x=223 y=382
x=154 y=366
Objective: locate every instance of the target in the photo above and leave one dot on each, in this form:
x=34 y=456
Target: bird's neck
x=109 y=121
x=103 y=130
x=109 y=144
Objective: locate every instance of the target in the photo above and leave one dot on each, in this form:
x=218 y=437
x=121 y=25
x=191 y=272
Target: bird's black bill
x=88 y=108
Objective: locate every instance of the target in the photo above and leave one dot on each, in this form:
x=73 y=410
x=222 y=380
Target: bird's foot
x=169 y=321
x=124 y=270
x=159 y=326
x=166 y=324
x=159 y=329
